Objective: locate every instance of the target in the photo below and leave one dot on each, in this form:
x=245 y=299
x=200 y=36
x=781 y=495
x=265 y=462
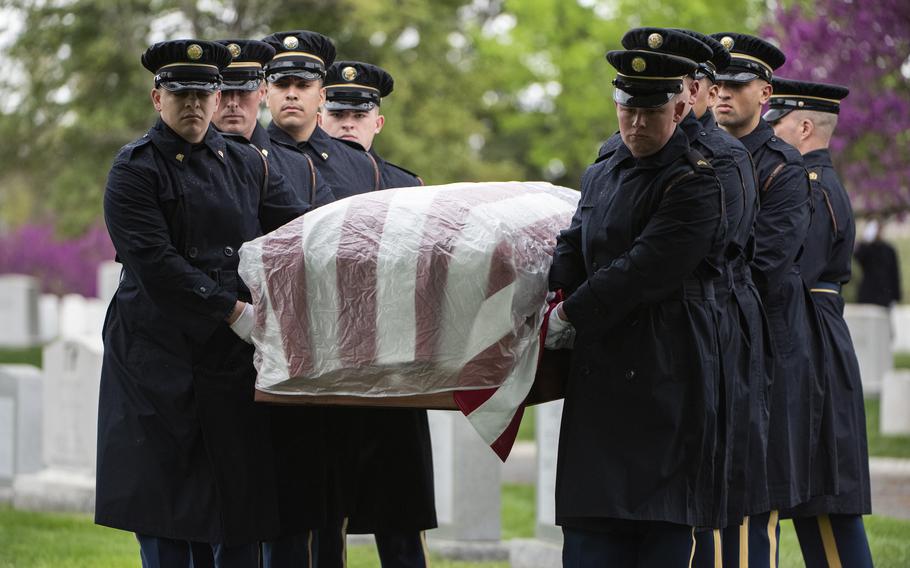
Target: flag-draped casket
x=410 y=292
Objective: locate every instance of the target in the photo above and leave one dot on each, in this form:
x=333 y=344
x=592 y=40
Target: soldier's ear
x=678 y=108
x=156 y=99
x=380 y=122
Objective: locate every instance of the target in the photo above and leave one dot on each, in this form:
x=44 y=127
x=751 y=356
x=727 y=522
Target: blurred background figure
x=881 y=282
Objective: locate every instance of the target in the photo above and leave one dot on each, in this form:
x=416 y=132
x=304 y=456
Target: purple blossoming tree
x=865 y=46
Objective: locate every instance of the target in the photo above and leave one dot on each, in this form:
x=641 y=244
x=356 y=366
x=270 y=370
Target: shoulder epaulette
x=409 y=172
x=698 y=162
x=790 y=153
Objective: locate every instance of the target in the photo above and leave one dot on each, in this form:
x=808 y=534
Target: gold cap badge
x=349 y=73
x=234 y=49
x=290 y=42
x=655 y=40
x=727 y=42
x=639 y=65
x=813 y=176
x=194 y=51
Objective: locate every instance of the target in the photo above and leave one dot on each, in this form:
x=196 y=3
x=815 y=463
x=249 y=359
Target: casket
x=429 y=297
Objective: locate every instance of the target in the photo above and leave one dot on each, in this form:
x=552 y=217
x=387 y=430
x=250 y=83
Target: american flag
x=411 y=291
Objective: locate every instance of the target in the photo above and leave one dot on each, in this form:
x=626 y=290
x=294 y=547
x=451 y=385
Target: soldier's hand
x=560 y=332
x=243 y=324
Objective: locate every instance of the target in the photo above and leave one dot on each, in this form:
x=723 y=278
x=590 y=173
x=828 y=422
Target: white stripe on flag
x=321 y=290
x=396 y=275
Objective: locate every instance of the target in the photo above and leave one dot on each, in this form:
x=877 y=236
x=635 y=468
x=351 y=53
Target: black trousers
x=647 y=545
x=397 y=549
x=833 y=540
x=157 y=552
x=753 y=543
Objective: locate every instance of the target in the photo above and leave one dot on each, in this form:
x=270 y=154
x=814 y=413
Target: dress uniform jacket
x=297 y=168
x=744 y=351
x=183 y=451
x=825 y=266
x=639 y=422
x=347 y=171
x=798 y=391
x=389 y=453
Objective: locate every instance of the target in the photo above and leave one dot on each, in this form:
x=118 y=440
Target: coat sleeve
x=568 y=269
x=187 y=296
x=781 y=227
x=677 y=237
x=896 y=274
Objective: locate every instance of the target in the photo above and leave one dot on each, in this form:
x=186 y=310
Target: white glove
x=560 y=333
x=243 y=325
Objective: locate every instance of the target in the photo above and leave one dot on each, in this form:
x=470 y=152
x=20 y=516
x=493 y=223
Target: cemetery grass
x=28 y=356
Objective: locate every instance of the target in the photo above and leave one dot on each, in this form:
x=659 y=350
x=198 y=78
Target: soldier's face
x=706 y=97
x=355 y=125
x=294 y=102
x=238 y=111
x=739 y=104
x=646 y=130
x=188 y=113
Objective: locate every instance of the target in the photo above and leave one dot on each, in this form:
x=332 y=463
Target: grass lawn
x=39 y=540
x=30 y=356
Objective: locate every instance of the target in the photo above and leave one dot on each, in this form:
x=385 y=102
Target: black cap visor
x=343 y=104
x=642 y=100
x=179 y=86
x=775 y=114
x=705 y=71
x=741 y=77
x=238 y=84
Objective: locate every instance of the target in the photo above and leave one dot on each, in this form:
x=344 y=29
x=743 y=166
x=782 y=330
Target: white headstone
x=900 y=318
x=895 y=409
x=71 y=379
x=81 y=317
x=108 y=280
x=20 y=421
x=49 y=317
x=870 y=328
x=549 y=417
x=19 y=311
x=467 y=477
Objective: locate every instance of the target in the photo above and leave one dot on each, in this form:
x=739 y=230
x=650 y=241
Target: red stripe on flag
x=286 y=278
x=356 y=266
x=446 y=217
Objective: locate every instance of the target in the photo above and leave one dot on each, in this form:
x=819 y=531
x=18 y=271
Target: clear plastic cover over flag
x=409 y=291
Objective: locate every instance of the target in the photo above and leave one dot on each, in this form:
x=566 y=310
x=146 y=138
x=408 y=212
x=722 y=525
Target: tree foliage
x=865 y=46
x=485 y=89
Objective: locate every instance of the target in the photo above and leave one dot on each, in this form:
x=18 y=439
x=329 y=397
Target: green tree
x=485 y=89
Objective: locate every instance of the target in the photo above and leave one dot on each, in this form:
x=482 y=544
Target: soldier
x=830 y=528
x=183 y=451
x=241 y=95
x=354 y=91
x=295 y=93
x=301 y=474
x=631 y=267
x=797 y=392
x=742 y=325
x=388 y=456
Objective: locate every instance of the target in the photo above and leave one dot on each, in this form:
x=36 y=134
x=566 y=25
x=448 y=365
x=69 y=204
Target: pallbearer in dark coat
x=742 y=325
x=798 y=391
x=635 y=473
x=805 y=115
x=295 y=92
x=388 y=458
x=301 y=474
x=183 y=452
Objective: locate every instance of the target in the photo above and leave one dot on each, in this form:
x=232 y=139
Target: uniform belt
x=826 y=287
x=694 y=289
